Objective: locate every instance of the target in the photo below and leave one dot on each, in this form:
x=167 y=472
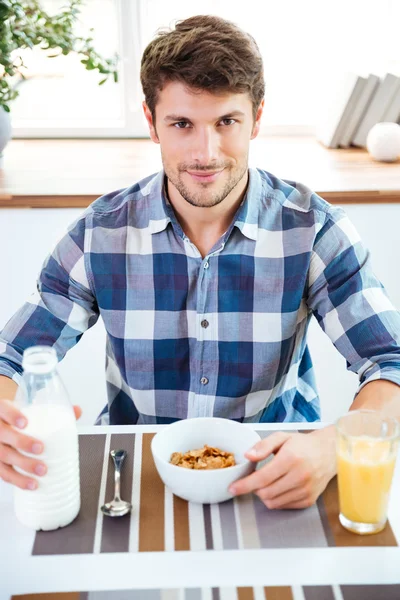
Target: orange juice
x=364 y=479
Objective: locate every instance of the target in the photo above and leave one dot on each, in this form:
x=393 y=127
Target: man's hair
x=204 y=53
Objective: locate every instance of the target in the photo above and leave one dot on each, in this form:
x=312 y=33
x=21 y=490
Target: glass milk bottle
x=42 y=398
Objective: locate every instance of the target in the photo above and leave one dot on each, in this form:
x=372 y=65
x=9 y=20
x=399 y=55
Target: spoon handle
x=118 y=457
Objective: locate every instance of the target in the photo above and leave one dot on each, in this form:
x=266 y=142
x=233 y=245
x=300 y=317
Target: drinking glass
x=367 y=444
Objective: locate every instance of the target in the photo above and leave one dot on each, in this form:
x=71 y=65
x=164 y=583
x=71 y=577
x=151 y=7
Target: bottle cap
x=39 y=359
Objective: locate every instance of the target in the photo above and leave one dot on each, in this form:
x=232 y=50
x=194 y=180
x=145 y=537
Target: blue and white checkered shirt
x=223 y=335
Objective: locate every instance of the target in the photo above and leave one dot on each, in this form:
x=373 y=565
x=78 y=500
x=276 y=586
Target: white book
x=375 y=113
x=360 y=108
x=343 y=98
x=392 y=114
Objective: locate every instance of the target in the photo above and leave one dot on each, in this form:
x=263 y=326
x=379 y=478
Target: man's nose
x=205 y=148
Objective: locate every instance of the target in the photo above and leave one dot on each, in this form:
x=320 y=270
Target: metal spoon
x=117 y=507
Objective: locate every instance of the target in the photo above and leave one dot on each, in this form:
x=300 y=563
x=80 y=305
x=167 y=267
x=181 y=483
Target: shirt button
x=205 y=324
x=204 y=380
x=206 y=265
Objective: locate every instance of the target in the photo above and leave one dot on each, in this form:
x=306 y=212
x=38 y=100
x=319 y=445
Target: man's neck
x=205 y=226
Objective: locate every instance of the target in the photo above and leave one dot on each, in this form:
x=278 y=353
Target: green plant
x=26 y=25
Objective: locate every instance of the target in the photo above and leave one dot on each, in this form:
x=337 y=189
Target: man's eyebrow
x=177 y=118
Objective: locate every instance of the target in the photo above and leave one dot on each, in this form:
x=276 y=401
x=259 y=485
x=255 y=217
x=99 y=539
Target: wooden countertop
x=73 y=173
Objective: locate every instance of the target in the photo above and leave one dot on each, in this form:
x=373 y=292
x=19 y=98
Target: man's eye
x=181 y=124
x=228 y=121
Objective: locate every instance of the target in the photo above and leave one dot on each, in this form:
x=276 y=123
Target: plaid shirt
x=223 y=335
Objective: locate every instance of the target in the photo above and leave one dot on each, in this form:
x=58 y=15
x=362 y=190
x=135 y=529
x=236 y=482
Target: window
x=306 y=46
x=61 y=98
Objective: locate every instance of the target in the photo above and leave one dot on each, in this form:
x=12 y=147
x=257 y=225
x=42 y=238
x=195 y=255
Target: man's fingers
x=281 y=486
x=10 y=475
x=287 y=500
x=11 y=440
x=298 y=480
x=11 y=415
x=269 y=473
x=265 y=476
x=300 y=504
x=11 y=437
x=267 y=446
x=13 y=458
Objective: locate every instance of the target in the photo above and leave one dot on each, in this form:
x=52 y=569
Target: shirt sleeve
x=350 y=303
x=59 y=311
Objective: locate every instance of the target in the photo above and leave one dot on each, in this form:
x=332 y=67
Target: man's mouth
x=205 y=176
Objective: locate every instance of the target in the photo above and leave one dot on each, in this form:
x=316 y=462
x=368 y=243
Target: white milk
x=56 y=501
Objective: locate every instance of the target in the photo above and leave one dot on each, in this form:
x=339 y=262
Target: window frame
x=132 y=124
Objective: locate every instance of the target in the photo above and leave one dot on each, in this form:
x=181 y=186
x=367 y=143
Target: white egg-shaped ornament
x=383 y=141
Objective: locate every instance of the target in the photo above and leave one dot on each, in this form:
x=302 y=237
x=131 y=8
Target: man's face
x=204 y=141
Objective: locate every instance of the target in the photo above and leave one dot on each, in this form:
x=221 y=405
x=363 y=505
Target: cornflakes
x=207 y=457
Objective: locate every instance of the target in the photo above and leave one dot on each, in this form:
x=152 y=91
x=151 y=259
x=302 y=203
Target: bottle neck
x=39 y=360
x=41 y=387
x=41 y=382
x=39 y=376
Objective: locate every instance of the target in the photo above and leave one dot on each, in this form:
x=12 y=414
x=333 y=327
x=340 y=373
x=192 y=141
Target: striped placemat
x=321 y=592
x=161 y=521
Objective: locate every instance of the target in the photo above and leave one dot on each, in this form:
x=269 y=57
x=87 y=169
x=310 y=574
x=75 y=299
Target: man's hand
x=300 y=470
x=11 y=441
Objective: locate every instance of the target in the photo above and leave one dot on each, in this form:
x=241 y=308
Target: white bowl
x=208 y=486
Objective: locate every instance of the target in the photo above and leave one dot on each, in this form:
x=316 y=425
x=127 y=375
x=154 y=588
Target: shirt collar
x=248 y=213
x=246 y=219
x=160 y=211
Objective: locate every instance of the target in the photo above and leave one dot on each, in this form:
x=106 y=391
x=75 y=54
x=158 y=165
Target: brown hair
x=205 y=53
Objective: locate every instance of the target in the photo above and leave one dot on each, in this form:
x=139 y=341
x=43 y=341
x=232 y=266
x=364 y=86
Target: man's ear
x=151 y=124
x=257 y=124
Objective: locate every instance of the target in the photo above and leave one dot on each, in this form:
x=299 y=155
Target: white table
x=20 y=572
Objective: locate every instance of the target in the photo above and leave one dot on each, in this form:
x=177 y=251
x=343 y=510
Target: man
x=206 y=276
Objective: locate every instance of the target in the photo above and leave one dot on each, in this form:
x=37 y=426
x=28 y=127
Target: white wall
x=26 y=236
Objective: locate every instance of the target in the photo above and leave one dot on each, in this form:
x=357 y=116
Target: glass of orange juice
x=367 y=444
